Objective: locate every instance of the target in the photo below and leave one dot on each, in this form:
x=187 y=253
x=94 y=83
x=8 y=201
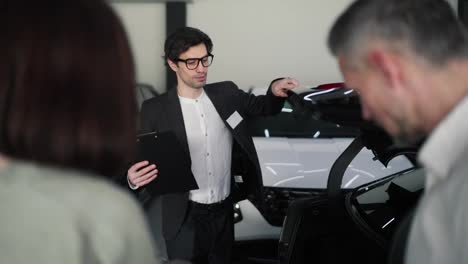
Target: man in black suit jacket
x=209 y=122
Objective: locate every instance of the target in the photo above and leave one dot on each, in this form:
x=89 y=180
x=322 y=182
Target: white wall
x=255 y=40
x=258 y=40
x=145 y=24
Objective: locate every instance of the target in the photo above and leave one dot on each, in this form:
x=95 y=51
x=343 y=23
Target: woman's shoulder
x=96 y=193
x=78 y=206
x=74 y=190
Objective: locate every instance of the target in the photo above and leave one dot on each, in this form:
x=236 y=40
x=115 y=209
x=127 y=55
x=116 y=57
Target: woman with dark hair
x=67 y=118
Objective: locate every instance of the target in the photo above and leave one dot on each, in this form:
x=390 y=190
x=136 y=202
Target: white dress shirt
x=439 y=231
x=445 y=145
x=210 y=146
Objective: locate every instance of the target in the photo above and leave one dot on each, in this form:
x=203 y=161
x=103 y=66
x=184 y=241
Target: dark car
x=298 y=149
x=351 y=225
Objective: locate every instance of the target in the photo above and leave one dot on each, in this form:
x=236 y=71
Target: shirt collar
x=445 y=145
x=193 y=100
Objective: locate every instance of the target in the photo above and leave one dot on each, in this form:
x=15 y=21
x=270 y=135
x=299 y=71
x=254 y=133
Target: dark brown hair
x=183 y=39
x=66 y=85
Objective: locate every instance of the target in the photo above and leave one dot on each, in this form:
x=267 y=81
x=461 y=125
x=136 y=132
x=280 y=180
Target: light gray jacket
x=50 y=215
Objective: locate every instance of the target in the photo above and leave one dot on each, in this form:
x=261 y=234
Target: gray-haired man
x=408 y=60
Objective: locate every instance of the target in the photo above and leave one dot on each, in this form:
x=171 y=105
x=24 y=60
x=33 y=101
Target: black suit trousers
x=206 y=236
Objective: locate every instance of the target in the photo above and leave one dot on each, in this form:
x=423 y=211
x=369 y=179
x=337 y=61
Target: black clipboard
x=172 y=161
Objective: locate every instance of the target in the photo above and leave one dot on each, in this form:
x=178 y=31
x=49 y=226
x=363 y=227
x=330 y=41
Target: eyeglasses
x=192 y=63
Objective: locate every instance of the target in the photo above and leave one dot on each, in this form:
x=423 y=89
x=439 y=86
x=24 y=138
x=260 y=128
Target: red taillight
x=330 y=86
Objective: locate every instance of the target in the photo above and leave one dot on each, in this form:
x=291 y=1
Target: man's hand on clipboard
x=141 y=173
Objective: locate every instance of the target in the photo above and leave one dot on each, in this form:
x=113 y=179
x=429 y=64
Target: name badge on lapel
x=234 y=119
x=238 y=179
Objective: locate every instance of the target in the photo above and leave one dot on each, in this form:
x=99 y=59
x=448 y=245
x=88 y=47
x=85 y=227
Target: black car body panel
x=356 y=226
